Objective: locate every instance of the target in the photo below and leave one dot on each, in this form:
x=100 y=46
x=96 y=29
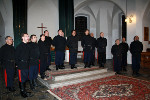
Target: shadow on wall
x=2 y=31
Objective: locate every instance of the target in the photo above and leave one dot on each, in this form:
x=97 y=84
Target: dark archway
x=80 y=25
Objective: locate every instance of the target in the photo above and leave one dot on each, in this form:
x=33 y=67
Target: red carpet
x=116 y=87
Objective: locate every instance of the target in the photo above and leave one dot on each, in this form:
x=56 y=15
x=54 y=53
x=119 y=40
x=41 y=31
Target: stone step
x=79 y=80
x=78 y=75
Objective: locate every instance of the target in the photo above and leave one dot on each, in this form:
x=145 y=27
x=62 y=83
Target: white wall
x=134 y=7
x=43 y=11
x=6 y=19
x=2 y=31
x=101 y=17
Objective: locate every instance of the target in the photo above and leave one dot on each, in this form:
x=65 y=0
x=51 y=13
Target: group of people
x=29 y=54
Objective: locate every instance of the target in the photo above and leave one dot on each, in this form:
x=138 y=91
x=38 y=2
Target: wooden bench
x=145 y=59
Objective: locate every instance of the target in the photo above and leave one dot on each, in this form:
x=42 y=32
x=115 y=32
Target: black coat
x=93 y=43
x=48 y=41
x=72 y=43
x=87 y=43
x=116 y=50
x=60 y=43
x=22 y=56
x=125 y=48
x=43 y=50
x=34 y=54
x=7 y=55
x=136 y=48
x=101 y=44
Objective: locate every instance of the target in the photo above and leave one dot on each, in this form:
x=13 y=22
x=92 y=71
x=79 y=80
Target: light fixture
x=130 y=18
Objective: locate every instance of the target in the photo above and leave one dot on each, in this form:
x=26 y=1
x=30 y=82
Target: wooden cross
x=42 y=27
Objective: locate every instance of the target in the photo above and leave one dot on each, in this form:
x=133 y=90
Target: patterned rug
x=115 y=87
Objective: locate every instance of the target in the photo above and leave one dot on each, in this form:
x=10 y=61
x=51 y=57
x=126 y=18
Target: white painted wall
x=101 y=20
x=2 y=31
x=6 y=20
x=134 y=7
x=43 y=11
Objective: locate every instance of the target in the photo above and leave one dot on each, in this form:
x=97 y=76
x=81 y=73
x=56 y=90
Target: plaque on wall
x=146 y=34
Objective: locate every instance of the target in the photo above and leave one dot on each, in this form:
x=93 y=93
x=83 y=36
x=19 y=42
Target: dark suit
x=72 y=43
x=101 y=48
x=136 y=48
x=116 y=50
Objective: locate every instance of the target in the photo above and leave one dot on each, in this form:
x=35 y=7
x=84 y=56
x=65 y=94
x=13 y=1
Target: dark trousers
x=93 y=56
x=87 y=56
x=59 y=58
x=117 y=64
x=43 y=65
x=73 y=58
x=136 y=63
x=23 y=75
x=124 y=60
x=101 y=57
x=49 y=59
x=33 y=72
x=9 y=77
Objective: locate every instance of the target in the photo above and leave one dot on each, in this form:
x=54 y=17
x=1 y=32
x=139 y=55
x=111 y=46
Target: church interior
x=115 y=18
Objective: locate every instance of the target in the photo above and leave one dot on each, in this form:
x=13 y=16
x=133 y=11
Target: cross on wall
x=42 y=27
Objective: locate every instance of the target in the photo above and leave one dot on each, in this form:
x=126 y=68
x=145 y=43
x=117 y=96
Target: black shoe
x=57 y=67
x=62 y=66
x=11 y=89
x=102 y=65
x=118 y=73
x=89 y=65
x=124 y=68
x=22 y=90
x=92 y=64
x=48 y=68
x=86 y=65
x=72 y=67
x=35 y=83
x=31 y=85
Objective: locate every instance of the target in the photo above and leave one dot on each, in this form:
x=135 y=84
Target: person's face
x=46 y=33
x=34 y=39
x=136 y=38
x=92 y=35
x=87 y=32
x=117 y=42
x=25 y=38
x=43 y=38
x=60 y=32
x=74 y=33
x=102 y=34
x=123 y=39
x=9 y=41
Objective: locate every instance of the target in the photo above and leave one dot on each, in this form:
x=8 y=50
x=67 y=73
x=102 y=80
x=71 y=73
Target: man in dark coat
x=48 y=41
x=22 y=61
x=87 y=48
x=8 y=62
x=43 y=55
x=116 y=50
x=136 y=48
x=72 y=43
x=93 y=49
x=101 y=48
x=59 y=42
x=34 y=55
x=125 y=49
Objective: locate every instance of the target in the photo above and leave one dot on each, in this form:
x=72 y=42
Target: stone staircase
x=76 y=77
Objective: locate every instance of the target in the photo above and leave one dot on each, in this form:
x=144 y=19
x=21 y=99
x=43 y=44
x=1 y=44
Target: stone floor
x=41 y=92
